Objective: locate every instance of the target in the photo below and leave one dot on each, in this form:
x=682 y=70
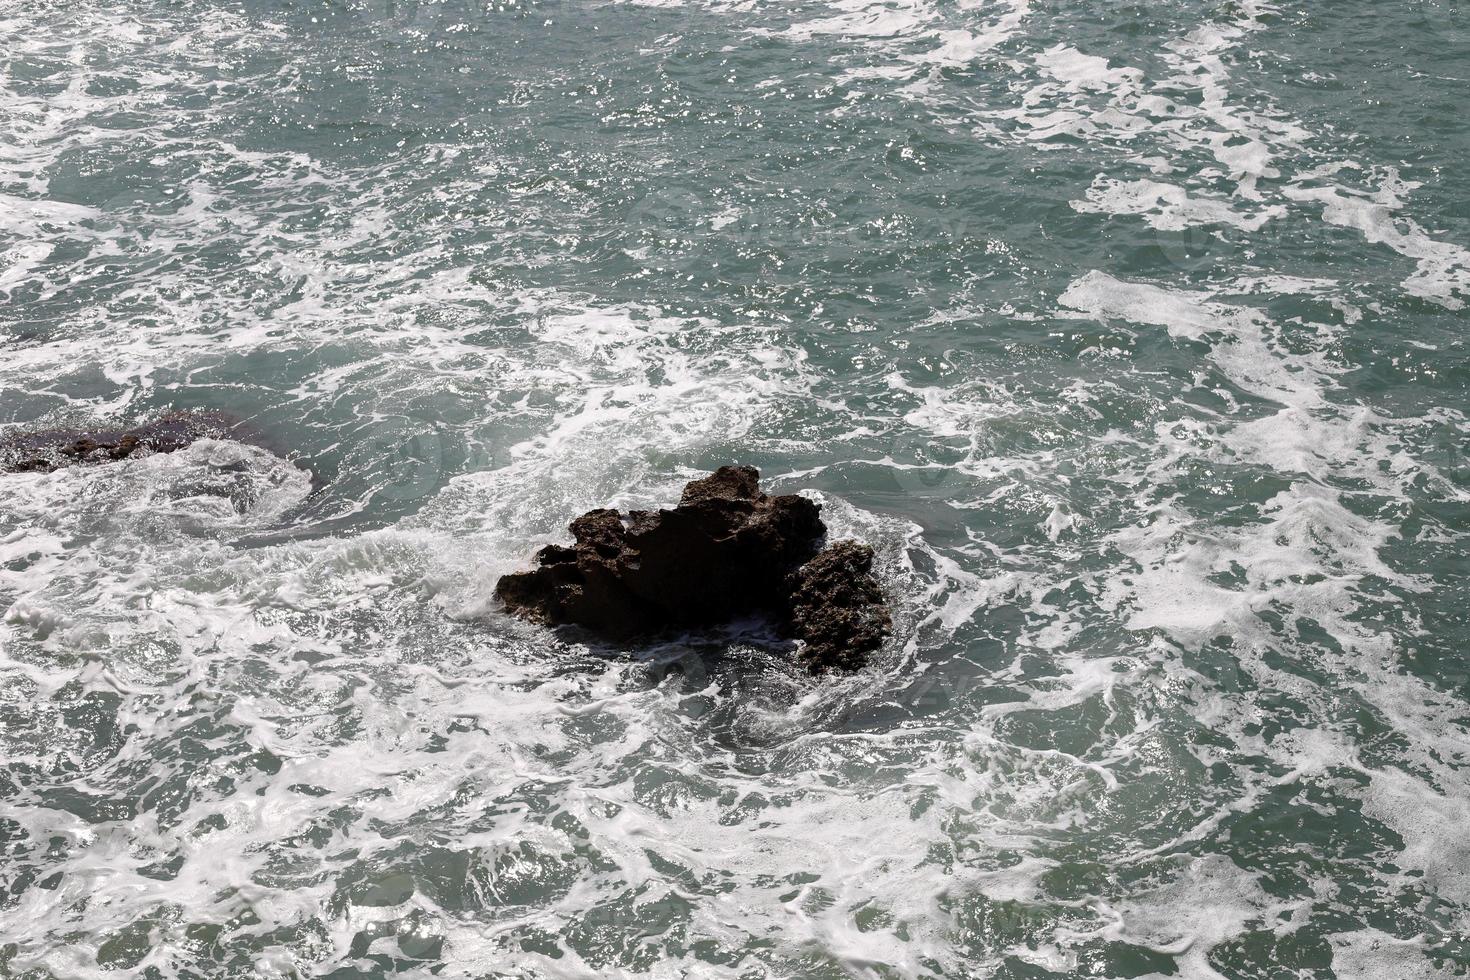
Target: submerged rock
x=51 y=449
x=726 y=551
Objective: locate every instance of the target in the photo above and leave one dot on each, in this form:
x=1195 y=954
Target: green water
x=1130 y=335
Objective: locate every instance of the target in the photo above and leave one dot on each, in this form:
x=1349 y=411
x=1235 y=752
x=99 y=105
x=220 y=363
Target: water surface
x=1131 y=335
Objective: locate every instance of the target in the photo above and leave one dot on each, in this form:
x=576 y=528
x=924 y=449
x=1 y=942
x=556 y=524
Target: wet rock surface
x=726 y=551
x=51 y=449
x=836 y=607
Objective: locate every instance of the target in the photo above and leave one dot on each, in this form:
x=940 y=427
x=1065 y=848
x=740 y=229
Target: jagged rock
x=54 y=448
x=836 y=607
x=726 y=551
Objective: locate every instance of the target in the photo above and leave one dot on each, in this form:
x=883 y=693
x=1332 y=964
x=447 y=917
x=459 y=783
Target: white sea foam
x=1374 y=953
x=1442 y=272
x=1168 y=207
x=448 y=775
x=909 y=40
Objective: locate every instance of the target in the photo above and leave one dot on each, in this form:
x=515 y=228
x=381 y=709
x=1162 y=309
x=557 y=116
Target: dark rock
x=837 y=608
x=52 y=449
x=726 y=551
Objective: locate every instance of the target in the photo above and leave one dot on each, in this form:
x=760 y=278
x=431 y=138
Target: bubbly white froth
x=1145 y=533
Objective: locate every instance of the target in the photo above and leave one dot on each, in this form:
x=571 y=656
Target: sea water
x=1130 y=335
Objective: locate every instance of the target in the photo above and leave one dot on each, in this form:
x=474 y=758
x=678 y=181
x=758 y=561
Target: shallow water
x=1132 y=337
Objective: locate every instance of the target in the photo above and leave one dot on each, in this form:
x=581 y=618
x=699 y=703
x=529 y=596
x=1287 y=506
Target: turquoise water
x=1130 y=335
